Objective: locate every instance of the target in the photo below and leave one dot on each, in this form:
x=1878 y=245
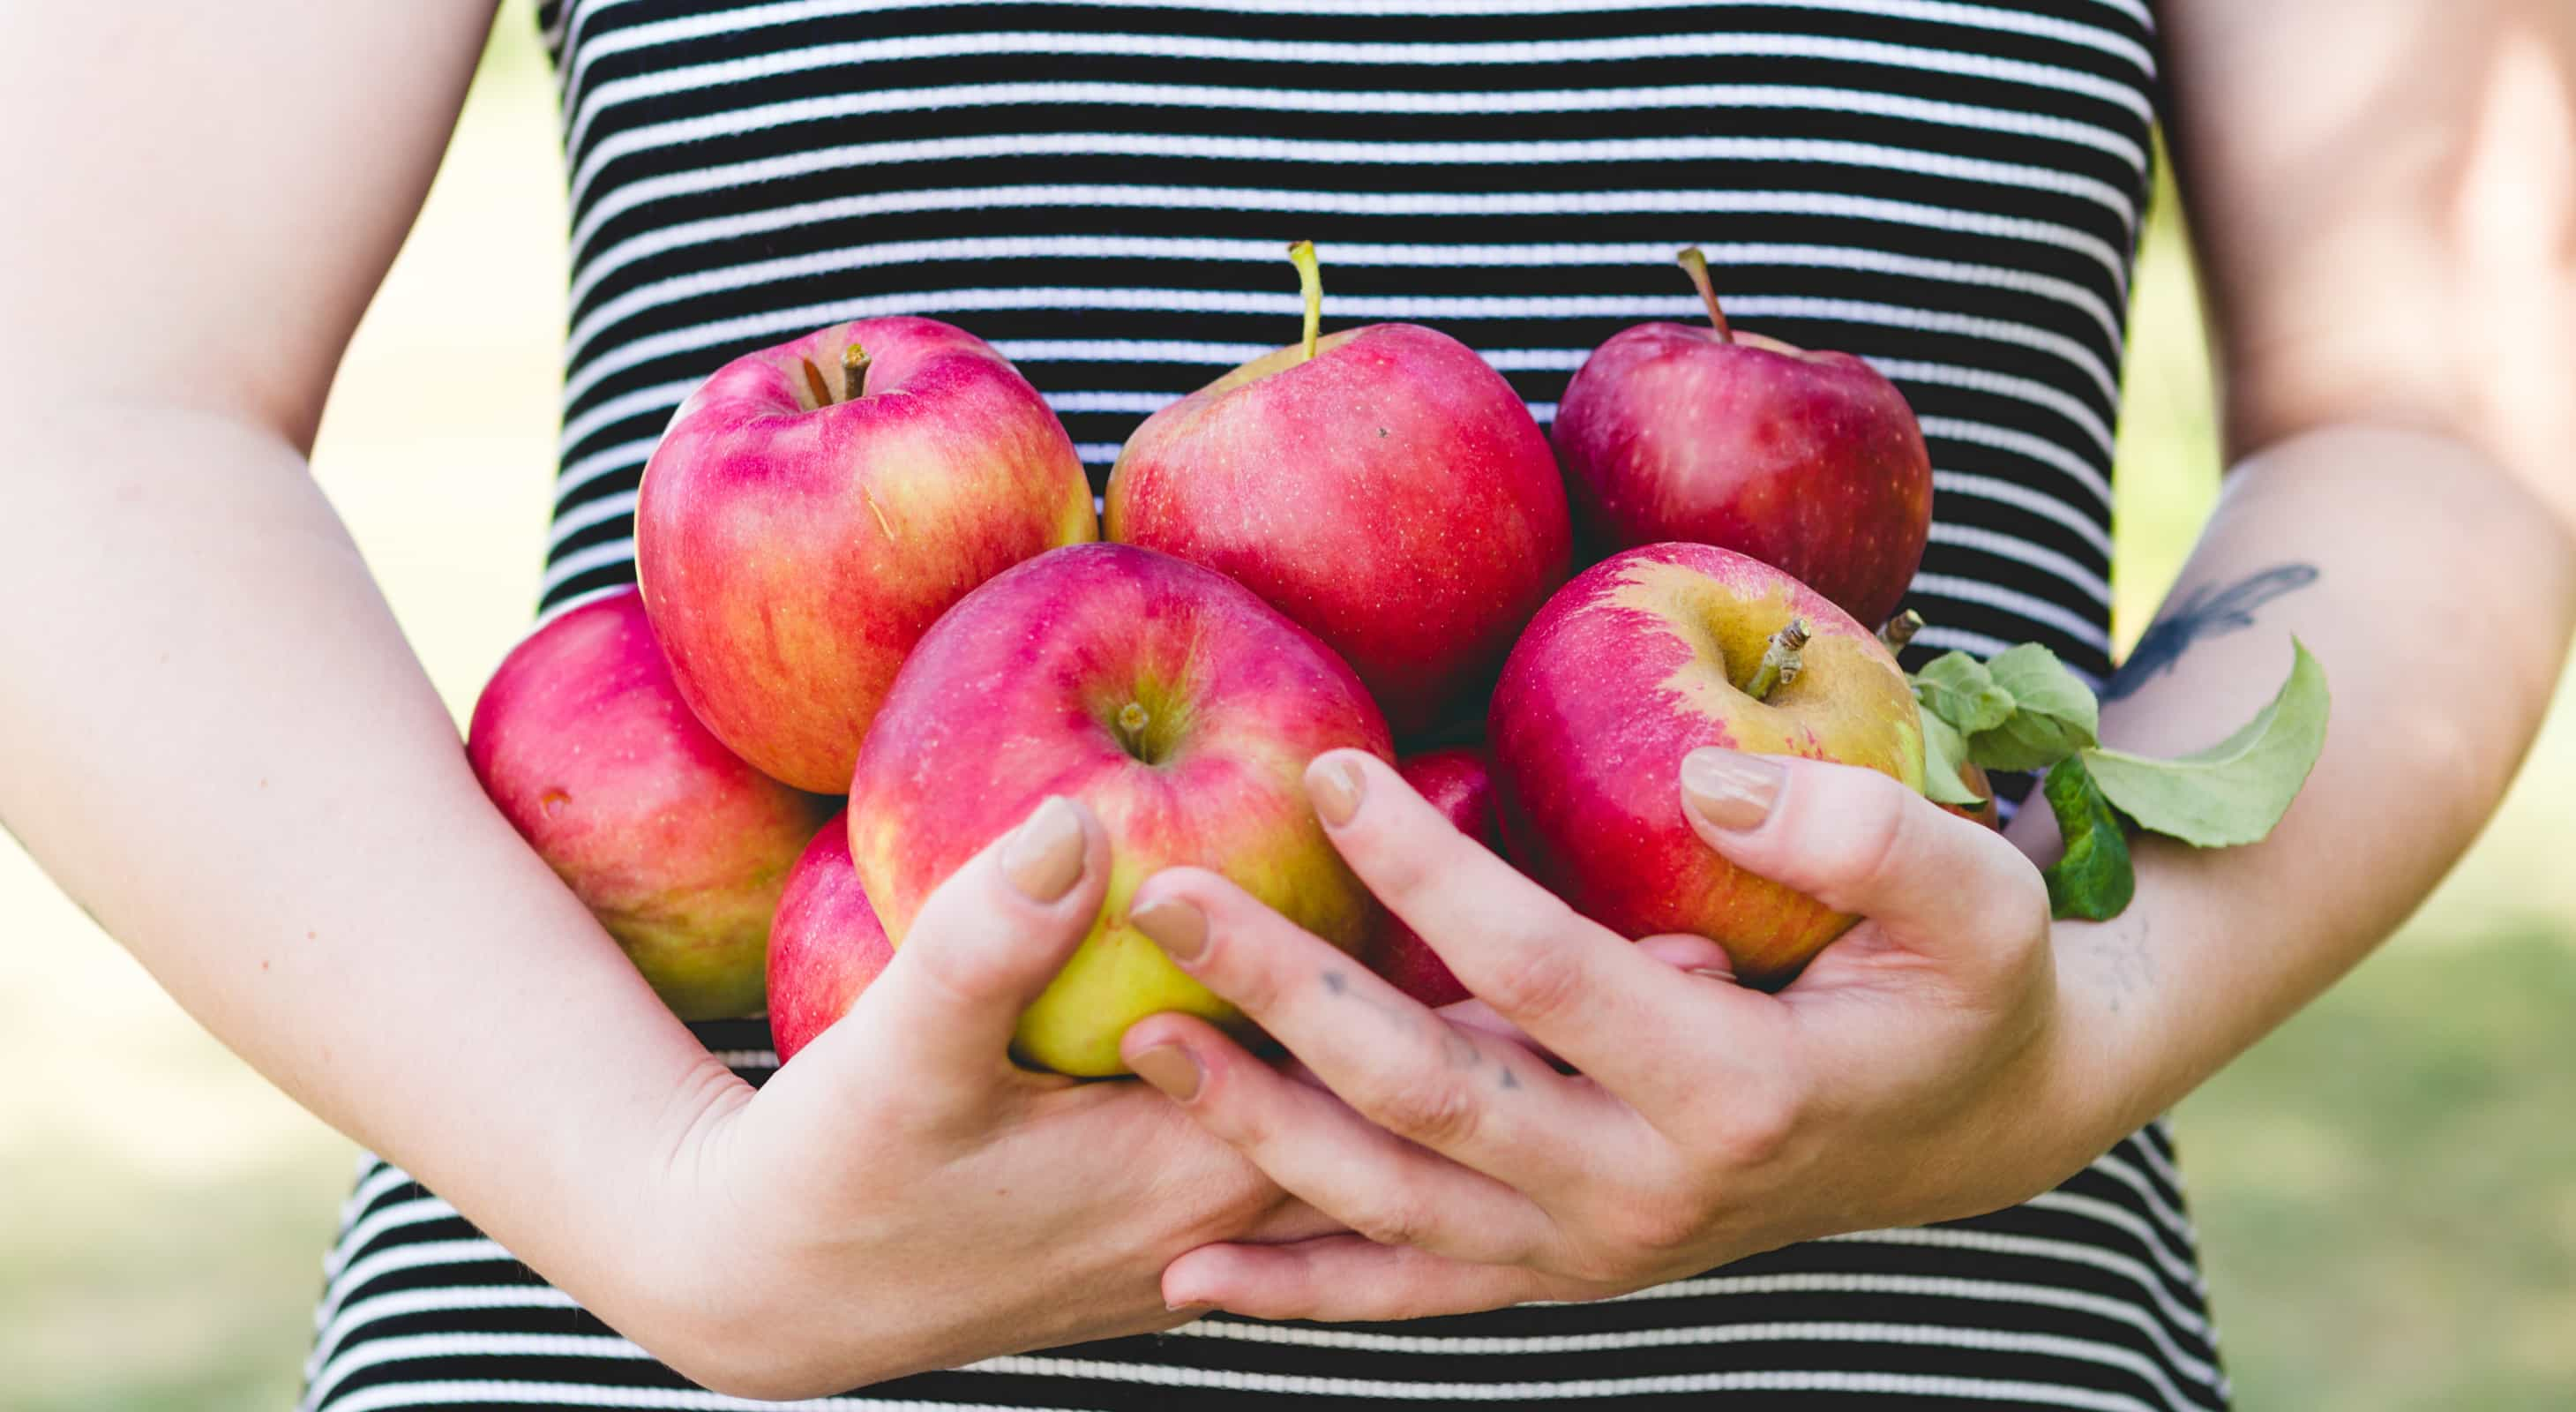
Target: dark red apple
x=1642 y=659
x=814 y=506
x=1180 y=707
x=1808 y=461
x=826 y=946
x=678 y=847
x=1459 y=784
x=1383 y=486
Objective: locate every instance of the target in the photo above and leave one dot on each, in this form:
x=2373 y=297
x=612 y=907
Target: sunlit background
x=2387 y=1187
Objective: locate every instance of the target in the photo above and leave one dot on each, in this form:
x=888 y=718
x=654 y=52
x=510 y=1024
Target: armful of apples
x=867 y=567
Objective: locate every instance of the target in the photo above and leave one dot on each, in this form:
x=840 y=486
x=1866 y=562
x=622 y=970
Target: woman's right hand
x=902 y=1197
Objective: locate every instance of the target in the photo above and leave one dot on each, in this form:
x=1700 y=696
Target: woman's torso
x=1104 y=189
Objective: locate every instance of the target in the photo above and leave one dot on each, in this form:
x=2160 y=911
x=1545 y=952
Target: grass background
x=2387 y=1186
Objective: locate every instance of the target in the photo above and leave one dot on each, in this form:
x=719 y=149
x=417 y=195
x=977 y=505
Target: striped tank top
x=1103 y=189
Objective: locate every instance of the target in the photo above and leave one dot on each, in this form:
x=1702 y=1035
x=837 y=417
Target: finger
x=1321 y=1152
x=1861 y=842
x=1341 y=1279
x=1579 y=989
x=1457 y=1091
x=987 y=941
x=1695 y=954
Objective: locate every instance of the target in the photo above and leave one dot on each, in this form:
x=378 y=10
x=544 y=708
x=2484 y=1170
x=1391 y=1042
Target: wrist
x=666 y=1240
x=2108 y=1068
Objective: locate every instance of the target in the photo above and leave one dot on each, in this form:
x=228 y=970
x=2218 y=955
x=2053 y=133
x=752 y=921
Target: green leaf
x=1943 y=751
x=1958 y=688
x=2093 y=880
x=2054 y=714
x=2235 y=791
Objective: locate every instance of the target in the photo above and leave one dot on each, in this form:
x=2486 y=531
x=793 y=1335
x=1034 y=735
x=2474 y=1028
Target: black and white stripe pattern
x=1103 y=188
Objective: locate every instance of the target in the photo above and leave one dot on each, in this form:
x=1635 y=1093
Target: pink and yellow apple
x=814 y=506
x=825 y=947
x=1383 y=486
x=1459 y=783
x=1642 y=659
x=1810 y=462
x=675 y=844
x=1182 y=709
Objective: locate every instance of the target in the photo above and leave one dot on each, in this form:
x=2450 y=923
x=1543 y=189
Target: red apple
x=675 y=844
x=1459 y=784
x=1644 y=658
x=1383 y=486
x=1176 y=704
x=826 y=945
x=1810 y=462
x=814 y=506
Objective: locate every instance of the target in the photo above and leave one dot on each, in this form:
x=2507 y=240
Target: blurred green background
x=2387 y=1187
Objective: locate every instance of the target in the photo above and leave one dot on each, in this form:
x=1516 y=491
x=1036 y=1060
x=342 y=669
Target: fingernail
x=1043 y=857
x=1174 y=925
x=1730 y=789
x=1172 y=1069
x=1715 y=974
x=1335 y=787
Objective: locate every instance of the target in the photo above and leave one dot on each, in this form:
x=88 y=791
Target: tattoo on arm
x=2207 y=611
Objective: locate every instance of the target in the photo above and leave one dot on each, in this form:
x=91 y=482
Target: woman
x=207 y=197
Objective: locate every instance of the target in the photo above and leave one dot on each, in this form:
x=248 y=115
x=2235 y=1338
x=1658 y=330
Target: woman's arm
x=2384 y=202
x=2386 y=195
x=214 y=737
x=211 y=732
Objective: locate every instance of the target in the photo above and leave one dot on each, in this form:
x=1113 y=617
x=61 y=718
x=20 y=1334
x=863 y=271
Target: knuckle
x=958 y=973
x=1396 y=1218
x=1756 y=1130
x=1435 y=1114
x=1655 y=1231
x=1535 y=980
x=2022 y=902
x=1239 y=1113
x=1249 y=976
x=1876 y=840
x=1403 y=873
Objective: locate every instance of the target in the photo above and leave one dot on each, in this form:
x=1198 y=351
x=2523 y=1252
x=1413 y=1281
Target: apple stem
x=854 y=371
x=814 y=383
x=1310 y=283
x=1780 y=661
x=1695 y=265
x=1896 y=632
x=1132 y=720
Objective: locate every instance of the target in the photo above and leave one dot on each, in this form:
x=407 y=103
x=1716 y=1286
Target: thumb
x=986 y=942
x=1861 y=842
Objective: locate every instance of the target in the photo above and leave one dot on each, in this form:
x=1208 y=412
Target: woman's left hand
x=1918 y=1070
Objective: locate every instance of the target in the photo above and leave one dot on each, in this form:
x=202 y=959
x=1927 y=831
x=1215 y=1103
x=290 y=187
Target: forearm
x=2440 y=605
x=214 y=737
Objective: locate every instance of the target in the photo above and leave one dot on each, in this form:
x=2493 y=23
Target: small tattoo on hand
x=1461 y=1050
